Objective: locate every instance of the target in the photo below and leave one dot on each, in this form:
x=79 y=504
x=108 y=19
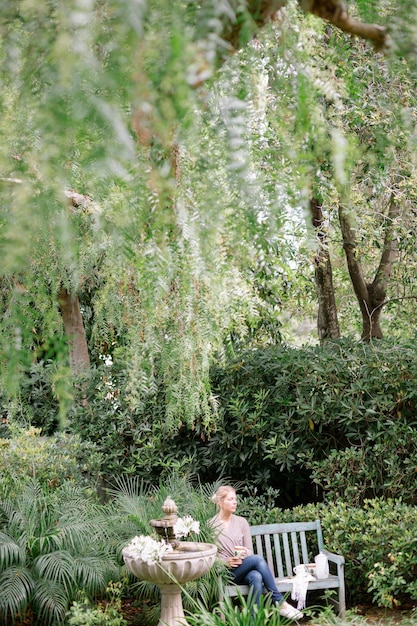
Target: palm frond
x=77 y=533
x=16 y=585
x=132 y=505
x=93 y=573
x=145 y=590
x=10 y=552
x=56 y=566
x=10 y=514
x=50 y=602
x=131 y=485
x=81 y=524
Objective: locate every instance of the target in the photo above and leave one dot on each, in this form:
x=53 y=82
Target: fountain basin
x=189 y=561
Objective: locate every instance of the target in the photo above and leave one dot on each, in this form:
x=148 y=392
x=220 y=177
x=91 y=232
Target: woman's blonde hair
x=221 y=494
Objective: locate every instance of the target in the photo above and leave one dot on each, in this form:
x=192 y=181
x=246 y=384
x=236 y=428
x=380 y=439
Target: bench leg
x=342 y=592
x=342 y=601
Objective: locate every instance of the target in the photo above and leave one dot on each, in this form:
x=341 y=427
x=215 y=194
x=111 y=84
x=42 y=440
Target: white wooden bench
x=286 y=545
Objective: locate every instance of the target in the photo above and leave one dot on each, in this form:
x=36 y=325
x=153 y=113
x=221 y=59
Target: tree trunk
x=74 y=329
x=371 y=296
x=327 y=322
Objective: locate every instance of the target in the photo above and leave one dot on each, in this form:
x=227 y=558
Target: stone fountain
x=187 y=561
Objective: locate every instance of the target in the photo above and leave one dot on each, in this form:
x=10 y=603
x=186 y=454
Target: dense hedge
x=338 y=420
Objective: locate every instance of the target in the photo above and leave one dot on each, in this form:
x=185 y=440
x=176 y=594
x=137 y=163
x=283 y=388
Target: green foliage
x=377 y=540
x=241 y=614
x=285 y=412
x=53 y=544
x=180 y=243
x=51 y=461
x=38 y=401
x=83 y=613
x=149 y=256
x=334 y=421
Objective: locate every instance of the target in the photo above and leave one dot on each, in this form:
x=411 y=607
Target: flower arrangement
x=152 y=550
x=148 y=549
x=184 y=526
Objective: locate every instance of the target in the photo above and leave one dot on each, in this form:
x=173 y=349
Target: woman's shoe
x=286 y=610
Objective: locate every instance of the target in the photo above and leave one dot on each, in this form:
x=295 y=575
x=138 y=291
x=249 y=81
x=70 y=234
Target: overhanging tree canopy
x=120 y=101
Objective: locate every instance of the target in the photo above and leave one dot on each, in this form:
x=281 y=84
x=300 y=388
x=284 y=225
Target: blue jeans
x=254 y=571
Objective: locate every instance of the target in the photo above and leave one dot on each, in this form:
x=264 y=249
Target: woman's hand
x=235 y=561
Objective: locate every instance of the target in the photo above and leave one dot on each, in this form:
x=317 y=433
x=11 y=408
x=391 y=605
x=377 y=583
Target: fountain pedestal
x=188 y=561
x=171 y=605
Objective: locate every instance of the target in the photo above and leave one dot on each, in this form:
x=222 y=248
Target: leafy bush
x=50 y=460
x=300 y=420
x=43 y=388
x=83 y=613
x=377 y=539
x=101 y=414
x=311 y=422
x=52 y=544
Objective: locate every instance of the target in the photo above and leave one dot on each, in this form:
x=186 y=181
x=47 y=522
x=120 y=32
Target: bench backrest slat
x=304 y=550
x=268 y=552
x=278 y=556
x=294 y=541
x=286 y=545
x=288 y=562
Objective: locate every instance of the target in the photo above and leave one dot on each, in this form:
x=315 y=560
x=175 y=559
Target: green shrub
x=52 y=545
x=101 y=415
x=50 y=460
x=298 y=420
x=83 y=613
x=377 y=539
x=311 y=422
x=42 y=388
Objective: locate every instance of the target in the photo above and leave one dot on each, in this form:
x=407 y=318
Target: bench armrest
x=334 y=558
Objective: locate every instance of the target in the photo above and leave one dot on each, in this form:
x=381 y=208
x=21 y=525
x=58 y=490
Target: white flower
x=186 y=525
x=148 y=549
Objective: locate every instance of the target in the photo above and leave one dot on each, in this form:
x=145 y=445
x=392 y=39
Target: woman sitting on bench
x=245 y=566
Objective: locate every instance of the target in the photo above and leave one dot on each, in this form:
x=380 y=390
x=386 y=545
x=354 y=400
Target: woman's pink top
x=237 y=534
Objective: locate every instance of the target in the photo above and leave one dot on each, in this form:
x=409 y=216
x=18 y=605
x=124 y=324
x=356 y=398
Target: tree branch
x=335 y=12
x=390 y=250
x=355 y=269
x=393 y=301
